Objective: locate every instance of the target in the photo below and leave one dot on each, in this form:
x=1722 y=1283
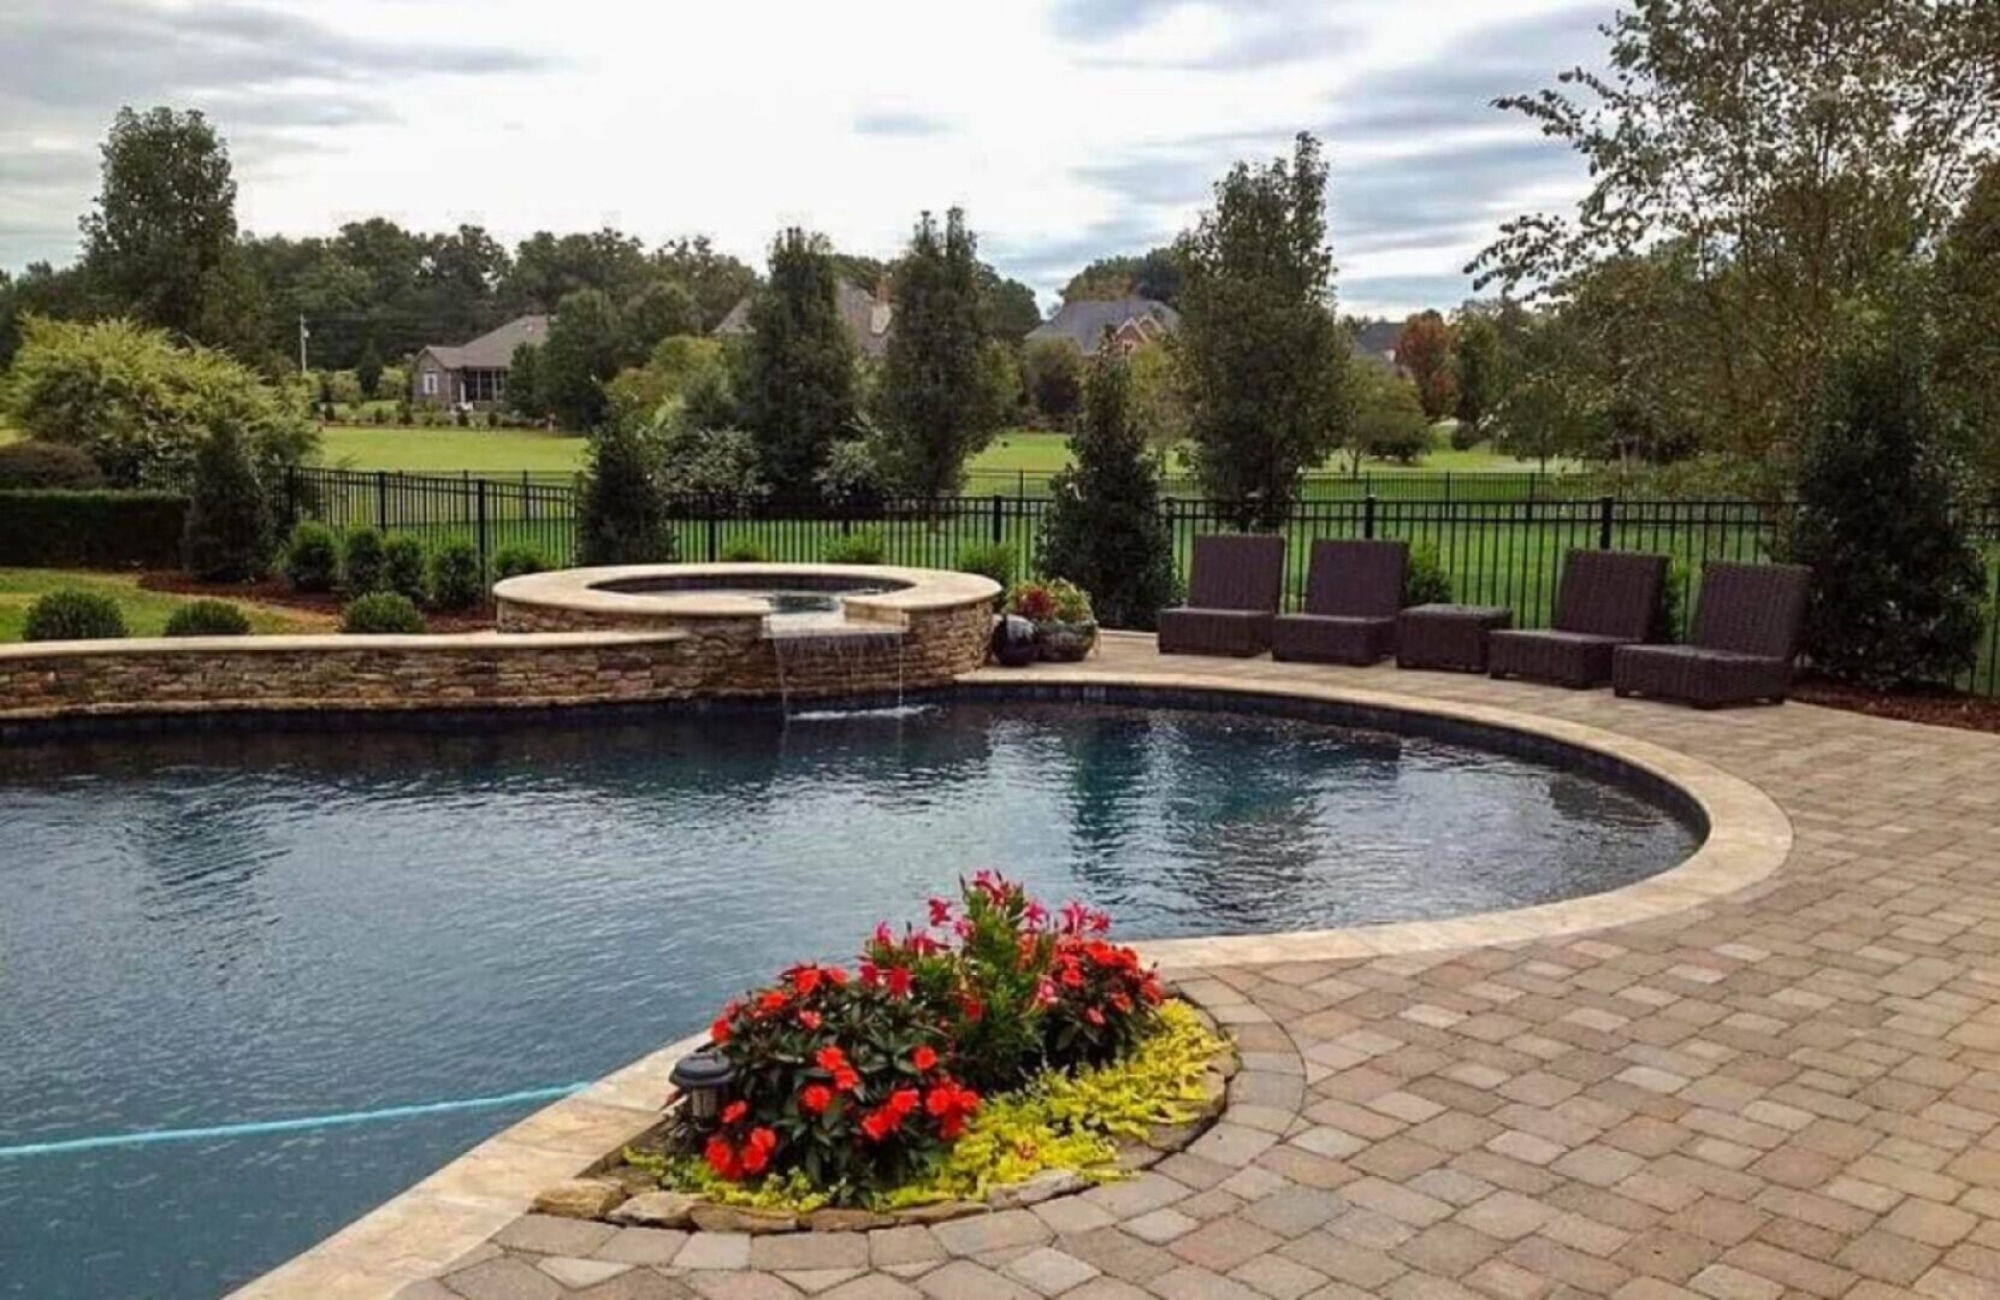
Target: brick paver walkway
x=1792 y=1093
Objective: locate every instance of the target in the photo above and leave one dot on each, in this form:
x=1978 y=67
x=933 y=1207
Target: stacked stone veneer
x=706 y=659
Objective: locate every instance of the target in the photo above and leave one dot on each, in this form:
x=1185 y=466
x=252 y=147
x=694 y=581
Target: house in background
x=473 y=374
x=1133 y=323
x=866 y=315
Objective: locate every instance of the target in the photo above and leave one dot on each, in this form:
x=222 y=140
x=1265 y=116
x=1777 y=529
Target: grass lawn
x=1022 y=452
x=146 y=612
x=418 y=450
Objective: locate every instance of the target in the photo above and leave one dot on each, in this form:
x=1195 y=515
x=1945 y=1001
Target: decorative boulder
x=1014 y=642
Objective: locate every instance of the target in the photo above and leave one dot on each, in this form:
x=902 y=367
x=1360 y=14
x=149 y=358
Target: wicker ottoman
x=1450 y=637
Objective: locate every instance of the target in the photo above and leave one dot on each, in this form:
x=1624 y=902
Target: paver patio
x=1793 y=1092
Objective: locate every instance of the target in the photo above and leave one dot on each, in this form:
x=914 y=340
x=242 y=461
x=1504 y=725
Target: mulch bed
x=274 y=591
x=1938 y=708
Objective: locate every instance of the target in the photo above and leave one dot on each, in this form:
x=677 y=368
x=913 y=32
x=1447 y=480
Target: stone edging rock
x=615 y=1193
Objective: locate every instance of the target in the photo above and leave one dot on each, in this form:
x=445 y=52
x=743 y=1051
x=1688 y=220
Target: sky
x=1067 y=129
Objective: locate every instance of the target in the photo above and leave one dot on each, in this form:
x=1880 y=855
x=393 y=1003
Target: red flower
x=757 y=1151
x=810 y=1019
x=721 y=1158
x=814 y=1098
x=899 y=982
x=923 y=1058
x=734 y=1112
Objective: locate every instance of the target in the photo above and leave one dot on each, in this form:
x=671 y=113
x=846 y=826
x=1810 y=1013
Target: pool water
x=228 y=926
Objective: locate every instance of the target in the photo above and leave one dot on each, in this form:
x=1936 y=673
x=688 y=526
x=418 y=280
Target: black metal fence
x=1499 y=552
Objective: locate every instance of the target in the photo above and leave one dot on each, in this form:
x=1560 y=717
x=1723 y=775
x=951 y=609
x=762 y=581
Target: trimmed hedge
x=91 y=530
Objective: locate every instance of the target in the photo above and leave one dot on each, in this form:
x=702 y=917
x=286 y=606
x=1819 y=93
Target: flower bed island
x=998 y=1055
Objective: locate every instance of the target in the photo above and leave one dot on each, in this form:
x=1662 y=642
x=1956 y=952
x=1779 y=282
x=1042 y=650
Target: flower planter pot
x=1064 y=643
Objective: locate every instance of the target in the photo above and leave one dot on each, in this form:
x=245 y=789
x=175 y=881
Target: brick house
x=473 y=374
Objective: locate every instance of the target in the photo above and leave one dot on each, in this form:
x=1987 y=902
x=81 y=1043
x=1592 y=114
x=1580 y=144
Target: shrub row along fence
x=1497 y=552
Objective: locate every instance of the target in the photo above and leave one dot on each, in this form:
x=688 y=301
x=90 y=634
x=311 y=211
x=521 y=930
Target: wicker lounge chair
x=1746 y=633
x=1607 y=599
x=1233 y=594
x=1353 y=592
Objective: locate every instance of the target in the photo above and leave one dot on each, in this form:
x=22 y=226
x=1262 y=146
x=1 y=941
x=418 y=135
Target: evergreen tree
x=622 y=513
x=524 y=382
x=941 y=395
x=227 y=536
x=368 y=369
x=1897 y=581
x=1262 y=359
x=1104 y=530
x=798 y=387
x=582 y=353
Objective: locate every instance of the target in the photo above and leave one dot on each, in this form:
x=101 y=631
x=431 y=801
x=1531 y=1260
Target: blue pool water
x=207 y=928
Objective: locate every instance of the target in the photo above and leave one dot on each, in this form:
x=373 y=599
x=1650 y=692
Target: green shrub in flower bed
x=996 y=1043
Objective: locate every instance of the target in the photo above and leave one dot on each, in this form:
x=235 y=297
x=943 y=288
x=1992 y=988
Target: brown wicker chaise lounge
x=1746 y=633
x=1606 y=599
x=1353 y=592
x=1233 y=593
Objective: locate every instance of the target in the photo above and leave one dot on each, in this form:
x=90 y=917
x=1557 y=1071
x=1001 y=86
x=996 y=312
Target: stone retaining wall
x=727 y=659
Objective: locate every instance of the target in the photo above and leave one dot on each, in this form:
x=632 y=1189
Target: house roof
x=1084 y=321
x=493 y=350
x=866 y=316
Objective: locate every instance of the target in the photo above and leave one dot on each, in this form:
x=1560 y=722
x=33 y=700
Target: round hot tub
x=810 y=629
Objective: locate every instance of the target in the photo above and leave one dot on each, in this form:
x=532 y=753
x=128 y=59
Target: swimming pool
x=269 y=921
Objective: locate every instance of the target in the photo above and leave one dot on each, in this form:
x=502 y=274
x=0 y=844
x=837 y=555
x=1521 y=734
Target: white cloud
x=1069 y=129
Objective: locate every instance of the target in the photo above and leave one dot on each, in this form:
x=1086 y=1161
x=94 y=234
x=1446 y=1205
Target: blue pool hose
x=147 y=1137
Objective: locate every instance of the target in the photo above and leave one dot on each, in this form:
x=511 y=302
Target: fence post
x=381 y=501
x=999 y=518
x=483 y=552
x=1368 y=516
x=1605 y=505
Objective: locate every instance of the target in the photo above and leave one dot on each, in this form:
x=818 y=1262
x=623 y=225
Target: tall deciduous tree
x=1104 y=530
x=165 y=220
x=1969 y=323
x=1476 y=347
x=798 y=385
x=1423 y=350
x=1796 y=149
x=582 y=353
x=1262 y=358
x=940 y=398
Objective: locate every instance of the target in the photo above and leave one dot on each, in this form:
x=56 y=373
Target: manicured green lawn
x=1027 y=452
x=146 y=612
x=418 y=450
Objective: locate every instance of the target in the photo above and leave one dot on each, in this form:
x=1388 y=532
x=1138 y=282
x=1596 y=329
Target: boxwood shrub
x=456 y=582
x=73 y=614
x=208 y=618
x=381 y=612
x=403 y=567
x=364 y=562
x=312 y=557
